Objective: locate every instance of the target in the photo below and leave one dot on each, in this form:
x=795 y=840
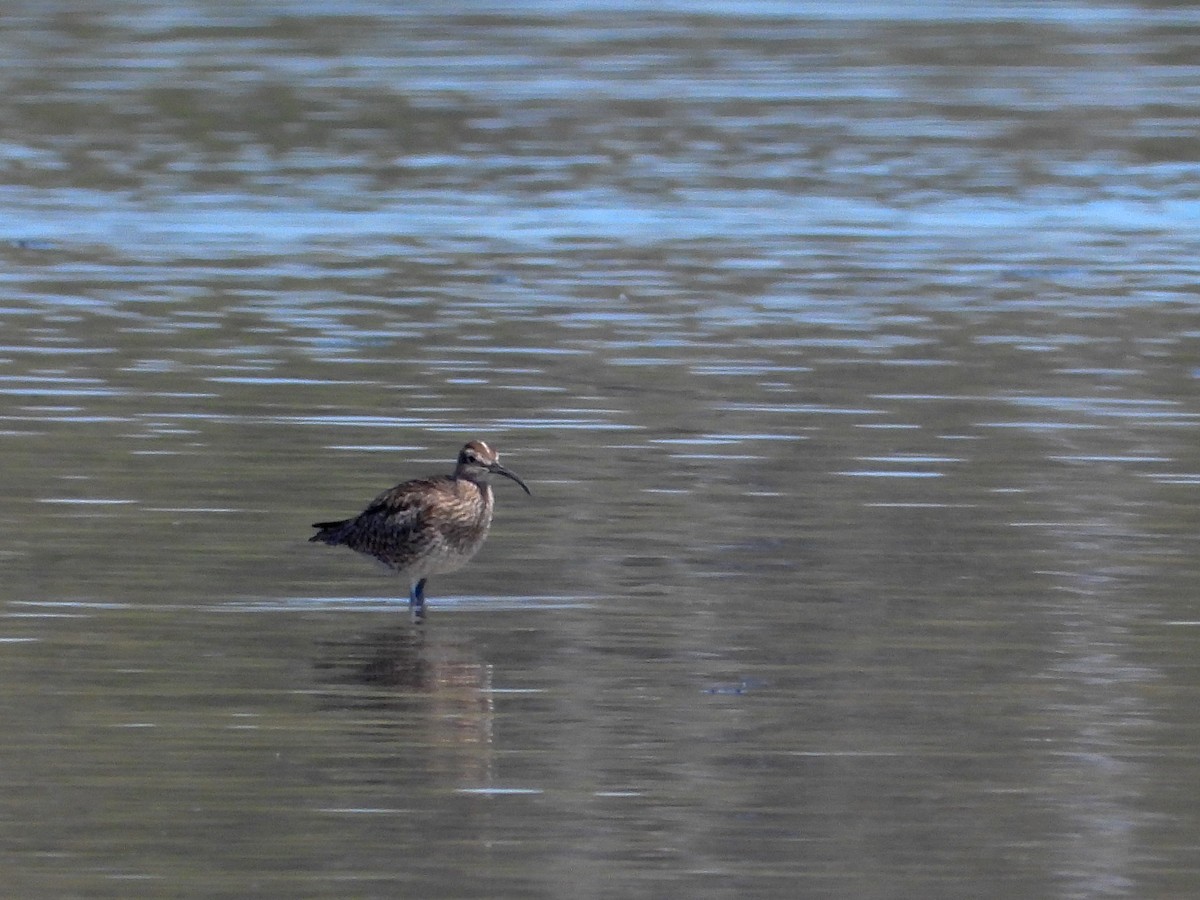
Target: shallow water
x=849 y=353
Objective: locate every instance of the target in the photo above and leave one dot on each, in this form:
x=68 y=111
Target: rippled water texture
x=850 y=352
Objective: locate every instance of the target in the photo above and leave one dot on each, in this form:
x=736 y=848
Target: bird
x=427 y=526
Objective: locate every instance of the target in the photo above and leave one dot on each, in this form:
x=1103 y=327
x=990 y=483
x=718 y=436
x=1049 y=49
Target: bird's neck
x=471 y=487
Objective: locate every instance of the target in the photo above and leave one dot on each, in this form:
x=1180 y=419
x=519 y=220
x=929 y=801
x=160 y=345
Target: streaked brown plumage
x=428 y=526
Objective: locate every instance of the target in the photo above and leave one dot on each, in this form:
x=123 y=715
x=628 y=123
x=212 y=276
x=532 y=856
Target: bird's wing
x=404 y=507
x=385 y=528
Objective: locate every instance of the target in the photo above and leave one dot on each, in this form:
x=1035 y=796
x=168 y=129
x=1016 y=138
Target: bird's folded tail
x=331 y=532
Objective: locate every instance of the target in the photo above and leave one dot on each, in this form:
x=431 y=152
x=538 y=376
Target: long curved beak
x=498 y=469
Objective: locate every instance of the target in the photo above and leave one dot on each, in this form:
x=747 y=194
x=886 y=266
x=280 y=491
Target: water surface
x=849 y=353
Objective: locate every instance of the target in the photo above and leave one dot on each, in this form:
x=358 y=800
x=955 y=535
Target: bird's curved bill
x=508 y=473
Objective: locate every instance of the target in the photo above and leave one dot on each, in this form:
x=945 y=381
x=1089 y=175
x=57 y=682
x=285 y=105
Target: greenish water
x=850 y=356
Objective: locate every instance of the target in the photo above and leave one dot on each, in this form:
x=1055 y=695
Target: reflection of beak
x=498 y=469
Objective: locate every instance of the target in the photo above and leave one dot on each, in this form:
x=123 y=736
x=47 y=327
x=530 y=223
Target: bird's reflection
x=395 y=658
x=408 y=658
x=410 y=686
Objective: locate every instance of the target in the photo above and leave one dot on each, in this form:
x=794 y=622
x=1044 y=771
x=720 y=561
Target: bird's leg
x=417 y=598
x=416 y=601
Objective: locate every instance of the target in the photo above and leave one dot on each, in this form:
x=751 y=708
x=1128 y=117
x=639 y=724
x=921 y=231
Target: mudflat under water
x=850 y=353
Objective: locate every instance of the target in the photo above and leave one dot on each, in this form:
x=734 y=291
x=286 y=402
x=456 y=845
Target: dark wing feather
x=388 y=523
